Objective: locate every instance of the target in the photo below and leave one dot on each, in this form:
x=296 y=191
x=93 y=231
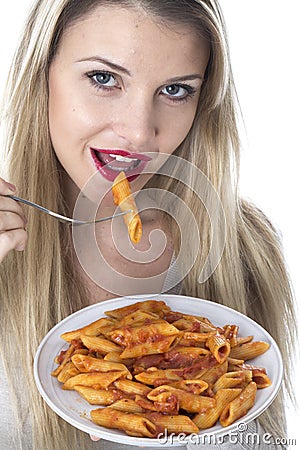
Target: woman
x=153 y=79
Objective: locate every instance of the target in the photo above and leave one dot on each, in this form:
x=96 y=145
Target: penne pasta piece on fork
x=123 y=198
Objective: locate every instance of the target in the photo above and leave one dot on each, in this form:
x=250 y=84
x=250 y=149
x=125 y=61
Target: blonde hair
x=40 y=286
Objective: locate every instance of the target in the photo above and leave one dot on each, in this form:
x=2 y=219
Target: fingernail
x=94 y=438
x=12 y=187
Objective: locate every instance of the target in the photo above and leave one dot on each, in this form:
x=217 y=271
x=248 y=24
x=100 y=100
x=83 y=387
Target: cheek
x=70 y=121
x=177 y=129
x=59 y=113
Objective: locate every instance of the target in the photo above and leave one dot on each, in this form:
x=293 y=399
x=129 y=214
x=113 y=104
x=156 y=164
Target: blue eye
x=102 y=79
x=178 y=91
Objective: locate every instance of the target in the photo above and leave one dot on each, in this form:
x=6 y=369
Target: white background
x=264 y=38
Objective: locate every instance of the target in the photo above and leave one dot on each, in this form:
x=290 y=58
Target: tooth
x=122 y=158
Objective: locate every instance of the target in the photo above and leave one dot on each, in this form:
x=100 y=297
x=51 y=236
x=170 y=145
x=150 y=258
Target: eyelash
x=190 y=91
x=95 y=83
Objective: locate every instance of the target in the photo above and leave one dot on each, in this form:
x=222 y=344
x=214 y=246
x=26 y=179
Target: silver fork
x=65 y=219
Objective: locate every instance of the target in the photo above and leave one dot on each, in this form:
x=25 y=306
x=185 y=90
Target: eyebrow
x=106 y=62
x=122 y=69
x=193 y=76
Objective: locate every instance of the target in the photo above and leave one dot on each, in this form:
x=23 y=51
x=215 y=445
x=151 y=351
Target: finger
x=94 y=438
x=11 y=221
x=8 y=204
x=12 y=240
x=7 y=188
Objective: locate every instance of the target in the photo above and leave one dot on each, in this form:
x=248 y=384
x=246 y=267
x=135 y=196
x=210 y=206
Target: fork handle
x=41 y=208
x=27 y=202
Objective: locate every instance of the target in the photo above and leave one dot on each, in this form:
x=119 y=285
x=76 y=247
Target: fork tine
x=103 y=219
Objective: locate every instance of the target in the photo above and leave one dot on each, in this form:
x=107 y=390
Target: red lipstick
x=110 y=162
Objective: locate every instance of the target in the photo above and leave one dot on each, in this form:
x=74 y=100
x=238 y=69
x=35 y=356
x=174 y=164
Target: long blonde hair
x=41 y=286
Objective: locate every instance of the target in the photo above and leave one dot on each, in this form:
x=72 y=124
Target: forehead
x=133 y=36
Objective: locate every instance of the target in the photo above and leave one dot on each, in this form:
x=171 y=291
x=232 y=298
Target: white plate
x=75 y=410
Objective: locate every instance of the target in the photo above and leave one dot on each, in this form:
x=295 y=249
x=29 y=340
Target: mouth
x=111 y=162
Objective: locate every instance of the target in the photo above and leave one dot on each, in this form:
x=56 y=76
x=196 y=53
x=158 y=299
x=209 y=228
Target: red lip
x=140 y=156
x=105 y=168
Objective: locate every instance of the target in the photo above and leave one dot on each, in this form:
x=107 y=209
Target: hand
x=13 y=235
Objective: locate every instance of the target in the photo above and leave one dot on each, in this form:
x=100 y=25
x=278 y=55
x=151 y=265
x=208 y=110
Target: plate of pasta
x=142 y=369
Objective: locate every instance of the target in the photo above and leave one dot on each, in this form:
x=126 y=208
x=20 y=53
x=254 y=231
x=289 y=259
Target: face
x=123 y=93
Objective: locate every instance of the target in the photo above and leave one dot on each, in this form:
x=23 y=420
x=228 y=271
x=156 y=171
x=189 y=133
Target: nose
x=136 y=123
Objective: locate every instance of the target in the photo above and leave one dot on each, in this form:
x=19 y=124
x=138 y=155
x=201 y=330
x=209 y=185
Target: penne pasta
x=99 y=344
x=123 y=198
x=231 y=332
x=115 y=357
x=175 y=424
x=162 y=345
x=128 y=422
x=188 y=401
x=256 y=374
x=242 y=340
x=169 y=404
x=232 y=362
x=93 y=379
x=211 y=375
x=155 y=376
x=219 y=347
x=150 y=332
x=230 y=380
x=157 y=307
x=139 y=317
x=127 y=405
x=86 y=363
x=194 y=386
x=68 y=371
x=63 y=360
x=249 y=350
x=193 y=324
x=193 y=352
x=151 y=369
x=99 y=397
x=209 y=417
x=190 y=342
x=260 y=377
x=197 y=337
x=239 y=407
x=132 y=387
x=93 y=329
x=146 y=339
